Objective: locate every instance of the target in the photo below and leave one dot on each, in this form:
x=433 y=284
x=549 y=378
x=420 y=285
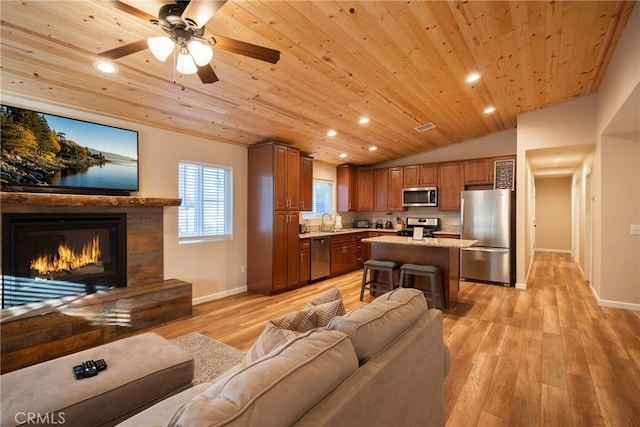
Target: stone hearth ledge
x=50 y=199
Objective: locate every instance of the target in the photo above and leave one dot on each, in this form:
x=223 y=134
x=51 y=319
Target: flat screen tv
x=48 y=153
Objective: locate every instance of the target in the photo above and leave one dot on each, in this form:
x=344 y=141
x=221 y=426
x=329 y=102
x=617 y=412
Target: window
x=206 y=209
x=322 y=198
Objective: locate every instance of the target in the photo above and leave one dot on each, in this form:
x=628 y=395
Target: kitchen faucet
x=322 y=223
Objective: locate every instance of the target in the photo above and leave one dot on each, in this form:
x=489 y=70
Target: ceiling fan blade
x=131 y=10
x=247 y=49
x=206 y=74
x=198 y=12
x=124 y=50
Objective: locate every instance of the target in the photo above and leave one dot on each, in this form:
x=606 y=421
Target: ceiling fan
x=183 y=22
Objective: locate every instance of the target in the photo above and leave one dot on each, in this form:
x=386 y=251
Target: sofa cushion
x=268 y=392
x=326 y=306
x=373 y=326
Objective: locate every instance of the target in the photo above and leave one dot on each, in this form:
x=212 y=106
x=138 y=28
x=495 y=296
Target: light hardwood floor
x=546 y=356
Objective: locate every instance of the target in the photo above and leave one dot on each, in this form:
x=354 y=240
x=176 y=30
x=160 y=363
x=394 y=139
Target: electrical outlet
x=635 y=228
x=243 y=269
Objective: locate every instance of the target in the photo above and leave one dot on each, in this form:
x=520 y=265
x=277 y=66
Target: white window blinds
x=206 y=209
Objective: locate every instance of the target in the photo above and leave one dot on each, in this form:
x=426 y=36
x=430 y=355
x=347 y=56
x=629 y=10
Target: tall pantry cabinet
x=273 y=202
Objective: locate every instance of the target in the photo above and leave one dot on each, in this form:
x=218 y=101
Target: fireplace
x=46 y=256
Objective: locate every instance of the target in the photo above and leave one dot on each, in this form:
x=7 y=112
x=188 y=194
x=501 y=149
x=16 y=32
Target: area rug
x=211 y=358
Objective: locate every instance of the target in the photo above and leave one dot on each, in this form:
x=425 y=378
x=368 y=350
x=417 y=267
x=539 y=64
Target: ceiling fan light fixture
x=160 y=47
x=186 y=65
x=201 y=52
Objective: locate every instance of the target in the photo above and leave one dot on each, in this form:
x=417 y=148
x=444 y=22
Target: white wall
x=503 y=143
x=616 y=183
x=571 y=123
x=214 y=268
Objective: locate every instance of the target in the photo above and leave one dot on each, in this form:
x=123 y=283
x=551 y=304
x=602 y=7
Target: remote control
x=78 y=372
x=101 y=365
x=90 y=369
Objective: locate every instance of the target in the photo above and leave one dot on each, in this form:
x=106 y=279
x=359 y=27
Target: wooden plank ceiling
x=400 y=63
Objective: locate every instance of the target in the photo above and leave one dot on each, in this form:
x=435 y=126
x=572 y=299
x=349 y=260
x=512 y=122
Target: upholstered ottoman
x=142 y=370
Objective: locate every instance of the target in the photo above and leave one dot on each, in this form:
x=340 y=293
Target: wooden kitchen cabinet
x=451 y=179
x=381 y=189
x=306 y=183
x=343 y=254
x=286 y=175
x=305 y=260
x=478 y=171
x=273 y=218
x=347 y=181
x=286 y=250
x=387 y=185
x=359 y=249
x=425 y=175
x=394 y=201
x=481 y=171
x=365 y=190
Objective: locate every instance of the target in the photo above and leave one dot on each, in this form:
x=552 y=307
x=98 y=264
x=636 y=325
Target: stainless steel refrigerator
x=487 y=216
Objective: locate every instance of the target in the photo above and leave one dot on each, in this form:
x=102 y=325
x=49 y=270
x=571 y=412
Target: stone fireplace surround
x=30 y=335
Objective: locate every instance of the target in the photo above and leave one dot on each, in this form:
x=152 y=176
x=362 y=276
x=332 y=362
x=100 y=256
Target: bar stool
x=433 y=273
x=375 y=266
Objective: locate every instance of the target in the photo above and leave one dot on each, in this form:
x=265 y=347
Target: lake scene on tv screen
x=43 y=150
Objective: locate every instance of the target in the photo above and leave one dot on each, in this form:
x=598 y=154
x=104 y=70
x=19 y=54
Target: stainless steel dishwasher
x=320 y=257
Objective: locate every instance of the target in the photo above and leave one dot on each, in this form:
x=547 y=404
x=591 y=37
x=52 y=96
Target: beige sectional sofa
x=383 y=364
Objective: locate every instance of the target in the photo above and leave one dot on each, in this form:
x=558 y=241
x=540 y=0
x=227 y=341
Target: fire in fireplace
x=53 y=256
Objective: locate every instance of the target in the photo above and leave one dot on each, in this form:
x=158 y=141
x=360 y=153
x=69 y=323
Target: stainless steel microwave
x=420 y=196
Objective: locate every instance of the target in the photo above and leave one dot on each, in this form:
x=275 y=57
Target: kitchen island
x=443 y=253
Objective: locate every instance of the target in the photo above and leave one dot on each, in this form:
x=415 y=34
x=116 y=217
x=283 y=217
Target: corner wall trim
x=614 y=304
x=218 y=295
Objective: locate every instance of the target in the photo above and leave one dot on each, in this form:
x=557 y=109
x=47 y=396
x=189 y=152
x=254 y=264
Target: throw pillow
x=270 y=338
x=326 y=306
x=278 y=331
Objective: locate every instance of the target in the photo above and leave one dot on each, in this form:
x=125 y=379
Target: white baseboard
x=614 y=304
x=558 y=251
x=521 y=286
x=218 y=295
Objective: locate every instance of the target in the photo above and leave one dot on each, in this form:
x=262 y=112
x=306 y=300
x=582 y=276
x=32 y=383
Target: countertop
x=343 y=231
x=401 y=240
x=360 y=230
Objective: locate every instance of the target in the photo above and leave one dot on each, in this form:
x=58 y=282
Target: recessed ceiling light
x=373 y=148
x=331 y=132
x=105 y=67
x=489 y=110
x=473 y=77
x=363 y=120
x=343 y=155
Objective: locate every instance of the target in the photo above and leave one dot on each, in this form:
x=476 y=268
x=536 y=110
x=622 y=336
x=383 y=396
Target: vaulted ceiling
x=400 y=63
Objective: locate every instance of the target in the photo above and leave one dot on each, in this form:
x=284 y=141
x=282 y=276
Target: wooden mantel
x=46 y=199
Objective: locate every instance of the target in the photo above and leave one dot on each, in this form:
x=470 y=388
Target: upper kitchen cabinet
x=381 y=188
x=481 y=171
x=420 y=175
x=394 y=203
x=347 y=178
x=286 y=175
x=365 y=189
x=306 y=183
x=451 y=178
x=387 y=185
